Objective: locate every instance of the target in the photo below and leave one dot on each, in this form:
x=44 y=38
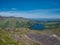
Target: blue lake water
x=38 y=27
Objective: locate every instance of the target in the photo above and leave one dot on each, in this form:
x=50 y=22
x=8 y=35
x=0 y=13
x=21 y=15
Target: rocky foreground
x=44 y=39
x=23 y=36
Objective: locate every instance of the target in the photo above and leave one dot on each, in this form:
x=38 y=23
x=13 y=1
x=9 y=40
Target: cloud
x=13 y=8
x=41 y=13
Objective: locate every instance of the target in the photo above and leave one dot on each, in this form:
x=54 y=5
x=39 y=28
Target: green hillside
x=14 y=29
x=14 y=22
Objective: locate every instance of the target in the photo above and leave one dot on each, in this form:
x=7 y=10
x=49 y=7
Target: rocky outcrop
x=45 y=39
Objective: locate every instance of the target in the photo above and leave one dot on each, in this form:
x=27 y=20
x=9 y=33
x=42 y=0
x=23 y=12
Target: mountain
x=15 y=22
x=18 y=31
x=47 y=19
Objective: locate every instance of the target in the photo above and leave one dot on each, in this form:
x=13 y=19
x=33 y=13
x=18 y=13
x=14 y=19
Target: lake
x=37 y=27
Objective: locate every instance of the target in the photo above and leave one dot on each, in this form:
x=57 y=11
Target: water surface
x=37 y=27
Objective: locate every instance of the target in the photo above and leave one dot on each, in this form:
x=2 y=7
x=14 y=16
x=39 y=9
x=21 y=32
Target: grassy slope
x=6 y=37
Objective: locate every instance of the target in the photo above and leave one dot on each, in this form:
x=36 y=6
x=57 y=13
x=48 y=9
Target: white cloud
x=32 y=13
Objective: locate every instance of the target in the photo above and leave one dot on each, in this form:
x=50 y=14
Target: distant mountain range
x=46 y=19
x=33 y=19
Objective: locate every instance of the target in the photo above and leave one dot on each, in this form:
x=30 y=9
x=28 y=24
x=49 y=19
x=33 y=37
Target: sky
x=30 y=8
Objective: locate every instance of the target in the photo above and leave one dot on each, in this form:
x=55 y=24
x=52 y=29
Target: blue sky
x=30 y=8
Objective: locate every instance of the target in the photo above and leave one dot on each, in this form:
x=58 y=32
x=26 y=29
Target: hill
x=13 y=30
